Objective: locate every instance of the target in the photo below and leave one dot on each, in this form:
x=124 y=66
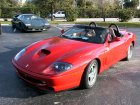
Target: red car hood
x=42 y=54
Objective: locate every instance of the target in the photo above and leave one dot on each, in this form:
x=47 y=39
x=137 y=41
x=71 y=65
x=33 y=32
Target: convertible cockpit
x=91 y=33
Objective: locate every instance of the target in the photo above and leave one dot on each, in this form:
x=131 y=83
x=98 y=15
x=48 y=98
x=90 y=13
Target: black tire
x=22 y=27
x=129 y=52
x=86 y=81
x=13 y=26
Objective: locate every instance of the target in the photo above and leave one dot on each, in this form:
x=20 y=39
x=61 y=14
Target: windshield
x=92 y=35
x=28 y=17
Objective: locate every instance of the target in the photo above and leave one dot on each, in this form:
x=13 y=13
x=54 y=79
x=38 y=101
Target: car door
x=63 y=14
x=115 y=51
x=58 y=14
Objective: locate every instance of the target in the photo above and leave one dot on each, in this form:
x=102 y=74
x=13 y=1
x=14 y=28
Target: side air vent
x=129 y=33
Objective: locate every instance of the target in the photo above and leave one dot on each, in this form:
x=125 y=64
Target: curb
x=6 y=24
x=65 y=25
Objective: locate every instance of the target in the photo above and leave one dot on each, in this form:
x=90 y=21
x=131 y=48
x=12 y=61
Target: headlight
x=28 y=24
x=19 y=54
x=46 y=24
x=62 y=66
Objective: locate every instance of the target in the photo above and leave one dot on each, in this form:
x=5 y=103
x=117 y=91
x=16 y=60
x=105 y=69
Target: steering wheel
x=116 y=27
x=92 y=24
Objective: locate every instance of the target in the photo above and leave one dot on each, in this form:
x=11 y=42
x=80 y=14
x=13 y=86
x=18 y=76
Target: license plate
x=33 y=29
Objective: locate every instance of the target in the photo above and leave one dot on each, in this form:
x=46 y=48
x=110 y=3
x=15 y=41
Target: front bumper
x=37 y=28
x=53 y=83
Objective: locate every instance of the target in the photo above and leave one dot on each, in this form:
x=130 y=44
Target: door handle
x=107 y=49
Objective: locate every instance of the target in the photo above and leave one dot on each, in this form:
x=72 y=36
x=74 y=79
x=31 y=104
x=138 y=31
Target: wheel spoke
x=130 y=52
x=92 y=73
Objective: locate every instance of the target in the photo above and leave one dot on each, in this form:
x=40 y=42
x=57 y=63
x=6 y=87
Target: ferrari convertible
x=74 y=58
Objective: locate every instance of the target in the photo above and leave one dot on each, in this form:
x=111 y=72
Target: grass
x=120 y=24
x=5 y=22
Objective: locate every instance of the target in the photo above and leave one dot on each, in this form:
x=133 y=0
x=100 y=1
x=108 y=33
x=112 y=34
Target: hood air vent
x=46 y=52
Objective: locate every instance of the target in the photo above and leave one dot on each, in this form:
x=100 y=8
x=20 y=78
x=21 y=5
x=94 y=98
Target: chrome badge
x=27 y=65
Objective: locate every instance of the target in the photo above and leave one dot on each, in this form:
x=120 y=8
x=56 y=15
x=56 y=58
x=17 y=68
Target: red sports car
x=74 y=58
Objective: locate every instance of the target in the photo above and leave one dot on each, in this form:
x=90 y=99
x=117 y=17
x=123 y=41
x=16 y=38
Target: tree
x=105 y=7
x=43 y=6
x=81 y=3
x=125 y=14
x=29 y=7
x=8 y=3
x=71 y=14
x=131 y=4
x=49 y=6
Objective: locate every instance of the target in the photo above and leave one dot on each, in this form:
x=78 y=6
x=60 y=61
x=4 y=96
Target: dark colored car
x=29 y=22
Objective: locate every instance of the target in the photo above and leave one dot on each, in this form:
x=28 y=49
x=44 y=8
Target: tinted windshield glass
x=28 y=17
x=93 y=35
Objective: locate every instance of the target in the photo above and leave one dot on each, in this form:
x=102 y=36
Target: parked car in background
x=58 y=14
x=29 y=22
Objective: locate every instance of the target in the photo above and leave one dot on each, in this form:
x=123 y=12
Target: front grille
x=33 y=80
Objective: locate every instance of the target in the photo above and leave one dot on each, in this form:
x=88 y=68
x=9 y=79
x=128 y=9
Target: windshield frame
x=104 y=34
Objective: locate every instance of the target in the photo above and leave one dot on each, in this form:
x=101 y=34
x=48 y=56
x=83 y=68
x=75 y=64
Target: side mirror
x=62 y=31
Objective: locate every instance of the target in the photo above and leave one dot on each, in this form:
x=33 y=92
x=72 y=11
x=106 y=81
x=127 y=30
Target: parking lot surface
x=119 y=85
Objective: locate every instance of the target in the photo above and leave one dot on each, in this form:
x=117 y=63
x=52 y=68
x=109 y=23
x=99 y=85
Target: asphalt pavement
x=119 y=85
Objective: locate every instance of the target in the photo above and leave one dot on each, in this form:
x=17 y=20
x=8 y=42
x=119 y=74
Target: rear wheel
x=90 y=75
x=129 y=52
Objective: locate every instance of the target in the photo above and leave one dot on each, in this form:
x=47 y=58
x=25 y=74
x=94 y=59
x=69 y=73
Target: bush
x=137 y=14
x=92 y=12
x=88 y=12
x=6 y=12
x=9 y=12
x=0 y=12
x=125 y=14
x=96 y=13
x=71 y=14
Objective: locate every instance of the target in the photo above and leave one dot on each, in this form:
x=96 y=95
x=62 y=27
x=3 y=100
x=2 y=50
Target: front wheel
x=13 y=26
x=90 y=75
x=22 y=28
x=129 y=52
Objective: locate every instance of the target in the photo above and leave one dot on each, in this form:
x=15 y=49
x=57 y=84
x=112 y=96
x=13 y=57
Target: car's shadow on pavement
x=10 y=84
x=9 y=29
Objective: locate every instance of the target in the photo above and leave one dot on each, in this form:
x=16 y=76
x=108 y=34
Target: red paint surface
x=77 y=53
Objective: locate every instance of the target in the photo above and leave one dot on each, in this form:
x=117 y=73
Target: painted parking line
x=58 y=27
x=63 y=26
x=6 y=24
